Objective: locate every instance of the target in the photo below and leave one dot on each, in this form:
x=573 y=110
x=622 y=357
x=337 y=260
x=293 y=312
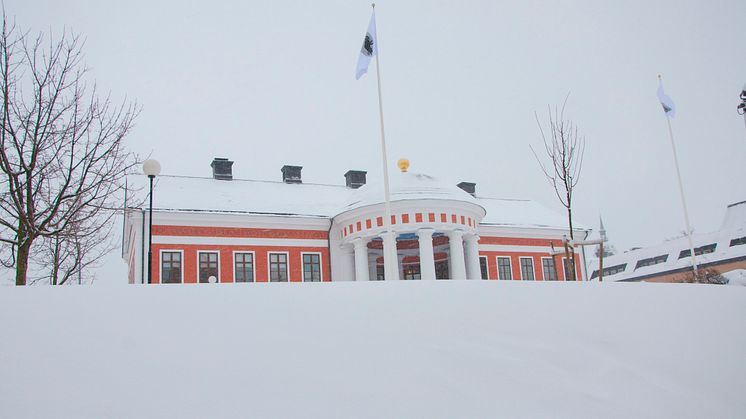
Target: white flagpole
x=390 y=274
x=681 y=192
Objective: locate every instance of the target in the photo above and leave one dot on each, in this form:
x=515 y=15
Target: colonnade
x=463 y=257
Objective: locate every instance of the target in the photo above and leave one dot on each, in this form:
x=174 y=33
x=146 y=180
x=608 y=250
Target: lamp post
x=151 y=168
x=741 y=109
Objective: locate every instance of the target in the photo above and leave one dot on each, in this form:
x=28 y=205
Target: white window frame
x=544 y=278
x=533 y=268
x=208 y=251
x=269 y=264
x=303 y=271
x=510 y=266
x=253 y=263
x=160 y=264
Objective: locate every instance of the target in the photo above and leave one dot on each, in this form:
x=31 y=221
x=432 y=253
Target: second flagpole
x=681 y=192
x=390 y=260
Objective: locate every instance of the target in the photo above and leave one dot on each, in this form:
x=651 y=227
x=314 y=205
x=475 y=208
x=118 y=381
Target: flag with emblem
x=668 y=106
x=369 y=49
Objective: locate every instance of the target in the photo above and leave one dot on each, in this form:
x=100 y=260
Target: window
x=503 y=268
x=311 y=267
x=527 y=269
x=483 y=267
x=278 y=267
x=611 y=270
x=412 y=271
x=441 y=269
x=739 y=241
x=651 y=261
x=170 y=267
x=380 y=273
x=244 y=267
x=698 y=251
x=549 y=270
x=569 y=268
x=208 y=267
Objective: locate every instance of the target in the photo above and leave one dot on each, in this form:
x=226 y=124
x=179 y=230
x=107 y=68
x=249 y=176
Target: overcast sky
x=267 y=83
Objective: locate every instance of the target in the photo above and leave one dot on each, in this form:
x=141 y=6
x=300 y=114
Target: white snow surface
x=736 y=277
x=523 y=213
x=440 y=349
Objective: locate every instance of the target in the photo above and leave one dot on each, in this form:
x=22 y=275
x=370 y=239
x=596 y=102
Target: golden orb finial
x=403 y=165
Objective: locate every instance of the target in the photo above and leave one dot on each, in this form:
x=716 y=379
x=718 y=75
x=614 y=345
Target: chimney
x=222 y=169
x=291 y=174
x=355 y=178
x=468 y=187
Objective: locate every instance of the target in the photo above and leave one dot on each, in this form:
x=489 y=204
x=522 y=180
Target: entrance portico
x=433 y=230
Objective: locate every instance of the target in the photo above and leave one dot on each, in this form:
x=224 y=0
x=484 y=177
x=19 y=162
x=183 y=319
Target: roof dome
x=407 y=186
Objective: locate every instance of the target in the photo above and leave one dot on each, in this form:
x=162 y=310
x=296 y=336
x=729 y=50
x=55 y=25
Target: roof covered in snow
x=522 y=213
x=182 y=193
x=407 y=186
x=206 y=194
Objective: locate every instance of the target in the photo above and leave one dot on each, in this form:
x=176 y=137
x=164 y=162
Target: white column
x=372 y=267
x=427 y=259
x=456 y=242
x=347 y=264
x=361 y=259
x=390 y=260
x=473 y=270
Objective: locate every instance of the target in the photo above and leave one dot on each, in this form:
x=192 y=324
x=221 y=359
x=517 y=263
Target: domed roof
x=407 y=186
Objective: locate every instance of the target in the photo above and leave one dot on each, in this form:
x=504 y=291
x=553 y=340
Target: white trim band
x=237 y=241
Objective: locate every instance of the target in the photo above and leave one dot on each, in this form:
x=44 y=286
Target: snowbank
x=408 y=349
x=736 y=277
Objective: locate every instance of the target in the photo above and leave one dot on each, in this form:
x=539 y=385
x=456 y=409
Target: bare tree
x=62 y=161
x=69 y=256
x=564 y=149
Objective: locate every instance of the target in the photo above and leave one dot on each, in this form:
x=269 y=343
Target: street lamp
x=151 y=168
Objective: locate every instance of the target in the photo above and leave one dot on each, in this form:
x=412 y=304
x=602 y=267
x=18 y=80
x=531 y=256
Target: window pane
x=527 y=269
x=441 y=269
x=412 y=271
x=170 y=267
x=278 y=269
x=311 y=268
x=208 y=266
x=244 y=267
x=379 y=273
x=503 y=267
x=483 y=267
x=550 y=273
x=569 y=267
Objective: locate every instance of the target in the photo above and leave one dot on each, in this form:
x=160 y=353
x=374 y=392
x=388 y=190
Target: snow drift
x=408 y=349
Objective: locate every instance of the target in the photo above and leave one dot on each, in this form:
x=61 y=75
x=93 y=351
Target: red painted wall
x=516 y=265
x=225 y=261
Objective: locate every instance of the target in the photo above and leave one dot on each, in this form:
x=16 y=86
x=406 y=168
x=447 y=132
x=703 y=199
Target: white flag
x=369 y=49
x=668 y=106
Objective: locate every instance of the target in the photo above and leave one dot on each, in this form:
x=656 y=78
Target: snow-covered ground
x=736 y=277
x=410 y=349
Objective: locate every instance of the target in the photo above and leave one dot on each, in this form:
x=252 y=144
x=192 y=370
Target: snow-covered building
x=723 y=250
x=220 y=229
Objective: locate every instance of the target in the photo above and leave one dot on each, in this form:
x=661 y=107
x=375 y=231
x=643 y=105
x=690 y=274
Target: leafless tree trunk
x=62 y=160
x=68 y=256
x=564 y=149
